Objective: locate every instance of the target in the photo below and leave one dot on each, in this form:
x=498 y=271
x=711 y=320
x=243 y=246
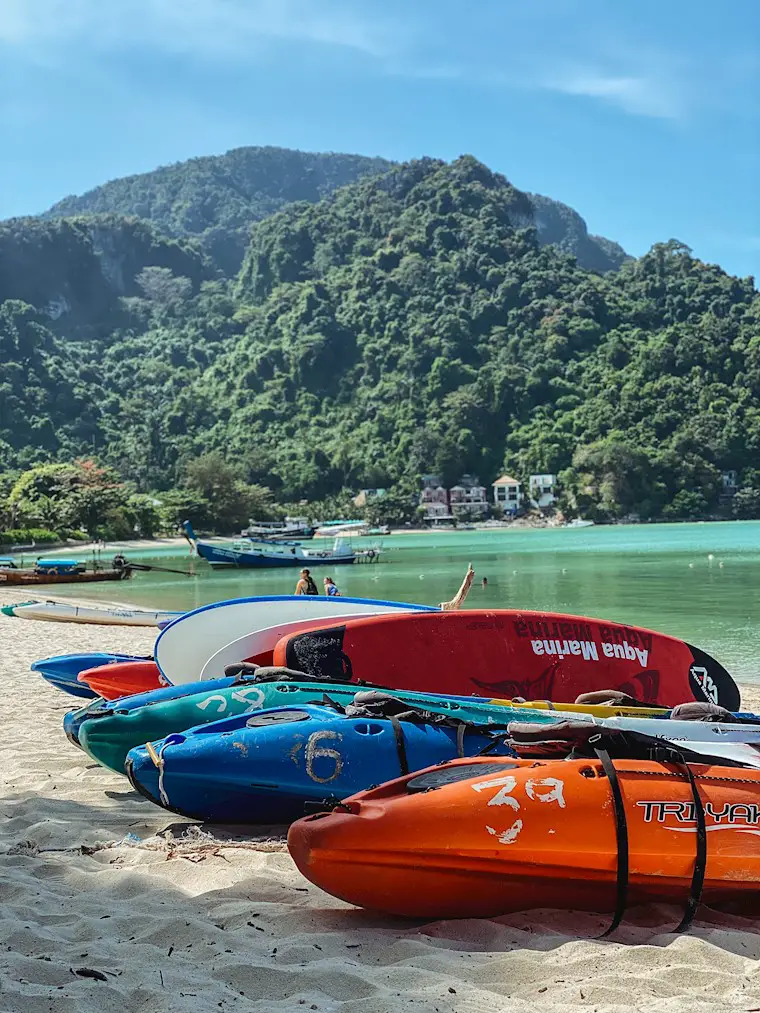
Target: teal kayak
x=109 y=730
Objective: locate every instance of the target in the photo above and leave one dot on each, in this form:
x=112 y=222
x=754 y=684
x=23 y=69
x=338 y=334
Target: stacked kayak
x=190 y=639
x=485 y=836
x=123 y=678
x=63 y=671
x=269 y=767
x=499 y=654
x=108 y=731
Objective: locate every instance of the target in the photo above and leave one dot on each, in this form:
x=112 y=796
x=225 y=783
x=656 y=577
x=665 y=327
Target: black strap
x=398 y=732
x=327 y=701
x=700 y=861
x=498 y=738
x=461 y=732
x=621 y=834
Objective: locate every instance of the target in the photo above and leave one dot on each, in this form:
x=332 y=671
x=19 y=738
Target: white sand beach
x=227 y=923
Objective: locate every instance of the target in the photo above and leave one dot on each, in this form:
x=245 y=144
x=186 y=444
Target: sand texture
x=171 y=919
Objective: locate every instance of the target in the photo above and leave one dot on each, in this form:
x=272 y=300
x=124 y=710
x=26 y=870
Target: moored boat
x=290 y=529
x=333 y=529
x=256 y=553
x=19 y=576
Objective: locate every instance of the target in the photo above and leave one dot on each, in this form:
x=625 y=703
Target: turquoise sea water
x=700 y=582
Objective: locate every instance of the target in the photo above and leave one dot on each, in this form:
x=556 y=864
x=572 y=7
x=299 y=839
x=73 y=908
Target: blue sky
x=641 y=114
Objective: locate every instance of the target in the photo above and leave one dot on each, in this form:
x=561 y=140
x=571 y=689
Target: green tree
x=231 y=502
x=143 y=513
x=746 y=503
x=66 y=497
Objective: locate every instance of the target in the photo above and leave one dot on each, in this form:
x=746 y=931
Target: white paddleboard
x=257 y=643
x=732 y=741
x=709 y=734
x=58 y=612
x=745 y=753
x=184 y=647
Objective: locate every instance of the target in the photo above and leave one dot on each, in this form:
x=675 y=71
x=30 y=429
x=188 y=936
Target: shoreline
x=521 y=524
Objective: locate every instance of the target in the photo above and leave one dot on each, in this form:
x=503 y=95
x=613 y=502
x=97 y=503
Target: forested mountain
x=216 y=199
x=411 y=322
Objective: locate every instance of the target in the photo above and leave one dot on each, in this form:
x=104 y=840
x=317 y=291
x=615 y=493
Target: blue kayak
x=62 y=670
x=275 y=765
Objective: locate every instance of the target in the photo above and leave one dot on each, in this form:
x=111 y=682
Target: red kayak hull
x=122 y=678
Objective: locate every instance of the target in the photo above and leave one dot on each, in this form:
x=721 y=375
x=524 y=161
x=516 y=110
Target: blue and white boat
x=261 y=552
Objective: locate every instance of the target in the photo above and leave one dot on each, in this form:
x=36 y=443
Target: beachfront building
x=434 y=499
x=543 y=490
x=507 y=496
x=729 y=484
x=468 y=498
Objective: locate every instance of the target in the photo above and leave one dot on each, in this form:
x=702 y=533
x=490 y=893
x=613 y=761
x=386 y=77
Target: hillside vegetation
x=411 y=322
x=216 y=199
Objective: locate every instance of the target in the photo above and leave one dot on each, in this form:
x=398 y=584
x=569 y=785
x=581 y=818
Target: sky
x=643 y=115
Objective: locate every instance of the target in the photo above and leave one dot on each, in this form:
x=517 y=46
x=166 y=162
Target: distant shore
x=177 y=541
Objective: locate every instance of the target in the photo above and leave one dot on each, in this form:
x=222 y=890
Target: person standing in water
x=331 y=589
x=305 y=584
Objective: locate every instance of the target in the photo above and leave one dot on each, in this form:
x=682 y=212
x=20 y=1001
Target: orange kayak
x=122 y=678
x=485 y=836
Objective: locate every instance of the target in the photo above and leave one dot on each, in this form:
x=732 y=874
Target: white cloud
x=638 y=94
x=216 y=28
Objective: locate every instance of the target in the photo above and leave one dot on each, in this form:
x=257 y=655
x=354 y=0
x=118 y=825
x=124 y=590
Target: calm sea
x=700 y=582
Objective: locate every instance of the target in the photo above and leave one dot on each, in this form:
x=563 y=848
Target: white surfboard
x=184 y=647
x=58 y=612
x=258 y=642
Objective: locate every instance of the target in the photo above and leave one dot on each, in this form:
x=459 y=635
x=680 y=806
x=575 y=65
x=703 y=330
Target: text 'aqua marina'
x=589 y=651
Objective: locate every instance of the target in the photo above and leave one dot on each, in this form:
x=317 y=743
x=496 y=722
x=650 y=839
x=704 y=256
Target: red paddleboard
x=122 y=678
x=507 y=653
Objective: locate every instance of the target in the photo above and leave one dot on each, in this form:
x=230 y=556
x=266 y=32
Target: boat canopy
x=58 y=564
